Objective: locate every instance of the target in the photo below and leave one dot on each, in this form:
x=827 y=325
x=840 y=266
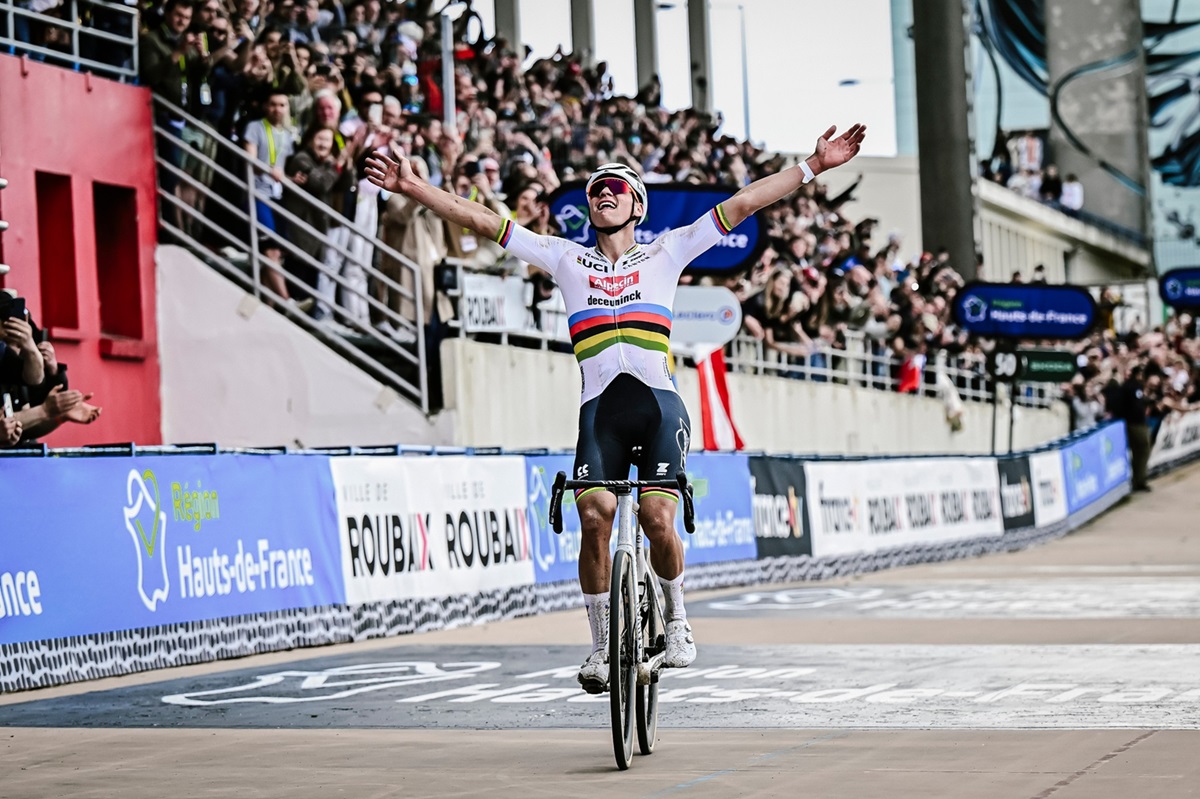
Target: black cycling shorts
x=631 y=424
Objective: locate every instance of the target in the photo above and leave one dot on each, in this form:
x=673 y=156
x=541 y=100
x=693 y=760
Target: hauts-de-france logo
x=146 y=522
x=975 y=309
x=1173 y=288
x=573 y=221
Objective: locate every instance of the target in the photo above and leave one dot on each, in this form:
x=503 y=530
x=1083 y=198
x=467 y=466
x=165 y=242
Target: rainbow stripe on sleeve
x=720 y=220
x=642 y=325
x=505 y=233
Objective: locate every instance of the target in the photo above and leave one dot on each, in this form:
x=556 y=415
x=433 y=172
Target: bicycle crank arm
x=648 y=669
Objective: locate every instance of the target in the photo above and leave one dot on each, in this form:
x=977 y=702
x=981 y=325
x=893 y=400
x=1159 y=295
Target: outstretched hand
x=835 y=152
x=387 y=173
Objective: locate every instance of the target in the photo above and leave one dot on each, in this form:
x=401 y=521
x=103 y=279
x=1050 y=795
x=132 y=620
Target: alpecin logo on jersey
x=612 y=286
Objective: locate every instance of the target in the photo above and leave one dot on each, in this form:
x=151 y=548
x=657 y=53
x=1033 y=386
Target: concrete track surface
x=1069 y=671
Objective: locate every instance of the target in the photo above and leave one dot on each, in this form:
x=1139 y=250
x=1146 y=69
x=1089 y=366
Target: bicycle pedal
x=593 y=687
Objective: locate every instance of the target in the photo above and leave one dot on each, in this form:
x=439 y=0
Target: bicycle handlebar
x=680 y=484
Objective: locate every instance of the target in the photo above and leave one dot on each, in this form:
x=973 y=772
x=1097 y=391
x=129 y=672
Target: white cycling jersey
x=619 y=314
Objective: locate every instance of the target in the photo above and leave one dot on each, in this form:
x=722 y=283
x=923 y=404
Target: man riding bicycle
x=619 y=297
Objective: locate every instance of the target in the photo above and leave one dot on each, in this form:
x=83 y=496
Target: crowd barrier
x=1176 y=442
x=122 y=563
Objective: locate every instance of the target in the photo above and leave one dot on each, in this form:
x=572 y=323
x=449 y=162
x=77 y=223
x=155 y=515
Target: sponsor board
x=1049 y=488
x=1025 y=311
x=780 y=517
x=1016 y=493
x=491 y=303
x=724 y=509
x=1180 y=288
x=705 y=315
x=431 y=526
x=120 y=543
x=555 y=555
x=866 y=506
x=1094 y=465
x=1178 y=439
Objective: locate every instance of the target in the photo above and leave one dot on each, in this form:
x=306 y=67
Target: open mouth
x=606 y=204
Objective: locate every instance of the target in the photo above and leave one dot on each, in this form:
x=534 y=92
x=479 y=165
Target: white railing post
x=252 y=212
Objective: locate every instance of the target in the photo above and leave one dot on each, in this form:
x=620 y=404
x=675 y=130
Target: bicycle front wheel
x=622 y=649
x=647 y=695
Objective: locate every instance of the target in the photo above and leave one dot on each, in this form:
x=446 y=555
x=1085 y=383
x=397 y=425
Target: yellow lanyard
x=270 y=142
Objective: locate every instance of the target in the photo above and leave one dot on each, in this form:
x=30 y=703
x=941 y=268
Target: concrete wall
x=237 y=373
x=528 y=398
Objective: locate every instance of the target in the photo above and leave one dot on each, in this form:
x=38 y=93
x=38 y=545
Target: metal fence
x=82 y=35
x=208 y=202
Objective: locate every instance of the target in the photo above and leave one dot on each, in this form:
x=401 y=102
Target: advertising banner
x=1180 y=288
x=724 y=509
x=1178 y=439
x=431 y=526
x=705 y=315
x=1023 y=310
x=780 y=517
x=491 y=303
x=1049 y=488
x=1095 y=465
x=104 y=544
x=865 y=506
x=672 y=206
x=555 y=555
x=1016 y=493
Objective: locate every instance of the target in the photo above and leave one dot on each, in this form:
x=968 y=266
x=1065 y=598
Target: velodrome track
x=1067 y=671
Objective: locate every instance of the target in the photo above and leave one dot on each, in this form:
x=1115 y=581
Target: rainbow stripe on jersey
x=643 y=325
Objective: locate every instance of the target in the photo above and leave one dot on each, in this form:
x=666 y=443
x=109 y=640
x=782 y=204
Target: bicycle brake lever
x=689 y=508
x=556 y=497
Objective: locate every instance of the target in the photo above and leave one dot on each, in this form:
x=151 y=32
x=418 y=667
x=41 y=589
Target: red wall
x=61 y=133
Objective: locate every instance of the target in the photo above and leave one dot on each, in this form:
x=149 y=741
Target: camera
x=14 y=308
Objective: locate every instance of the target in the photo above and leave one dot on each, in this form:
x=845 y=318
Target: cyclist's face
x=611 y=200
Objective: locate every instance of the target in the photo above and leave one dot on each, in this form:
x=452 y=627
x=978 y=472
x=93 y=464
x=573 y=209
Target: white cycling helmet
x=626 y=174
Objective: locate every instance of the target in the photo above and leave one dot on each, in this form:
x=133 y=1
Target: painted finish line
x=1030 y=599
x=861 y=686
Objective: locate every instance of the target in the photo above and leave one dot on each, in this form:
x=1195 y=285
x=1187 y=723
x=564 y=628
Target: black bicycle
x=636 y=632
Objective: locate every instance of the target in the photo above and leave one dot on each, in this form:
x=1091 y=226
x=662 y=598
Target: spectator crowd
x=1018 y=165
x=310 y=88
x=36 y=397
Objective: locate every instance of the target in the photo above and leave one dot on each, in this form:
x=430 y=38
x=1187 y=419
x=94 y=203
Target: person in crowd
x=315 y=169
x=270 y=142
x=1072 y=194
x=1132 y=407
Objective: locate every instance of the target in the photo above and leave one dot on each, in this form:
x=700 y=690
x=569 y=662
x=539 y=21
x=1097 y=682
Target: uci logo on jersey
x=612 y=286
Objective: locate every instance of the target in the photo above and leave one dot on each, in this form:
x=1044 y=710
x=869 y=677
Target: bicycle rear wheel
x=647 y=695
x=622 y=670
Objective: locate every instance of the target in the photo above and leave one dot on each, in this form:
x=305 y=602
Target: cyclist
x=619 y=297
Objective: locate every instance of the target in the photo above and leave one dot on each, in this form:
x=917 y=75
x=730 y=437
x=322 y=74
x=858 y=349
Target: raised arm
x=830 y=153
x=398 y=177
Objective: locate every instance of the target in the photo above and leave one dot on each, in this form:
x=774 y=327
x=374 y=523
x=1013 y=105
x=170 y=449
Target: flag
x=716 y=418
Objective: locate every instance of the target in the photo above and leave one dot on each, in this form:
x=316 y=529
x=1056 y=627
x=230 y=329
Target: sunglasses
x=614 y=185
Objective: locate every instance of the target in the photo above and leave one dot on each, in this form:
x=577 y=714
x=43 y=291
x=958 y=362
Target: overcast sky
x=803 y=75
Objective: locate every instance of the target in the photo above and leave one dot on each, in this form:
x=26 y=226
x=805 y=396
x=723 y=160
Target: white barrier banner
x=1049 y=488
x=863 y=507
x=1178 y=438
x=430 y=527
x=491 y=303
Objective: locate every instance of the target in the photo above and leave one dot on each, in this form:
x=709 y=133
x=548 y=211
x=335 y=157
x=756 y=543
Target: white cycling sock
x=597 y=610
x=673 y=598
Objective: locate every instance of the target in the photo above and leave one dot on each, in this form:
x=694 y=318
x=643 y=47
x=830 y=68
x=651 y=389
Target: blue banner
x=1095 y=465
x=672 y=206
x=1180 y=288
x=93 y=545
x=724 y=514
x=1022 y=310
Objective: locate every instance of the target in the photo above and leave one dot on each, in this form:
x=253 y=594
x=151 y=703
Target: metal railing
x=92 y=36
x=855 y=364
x=221 y=180
x=858 y=364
